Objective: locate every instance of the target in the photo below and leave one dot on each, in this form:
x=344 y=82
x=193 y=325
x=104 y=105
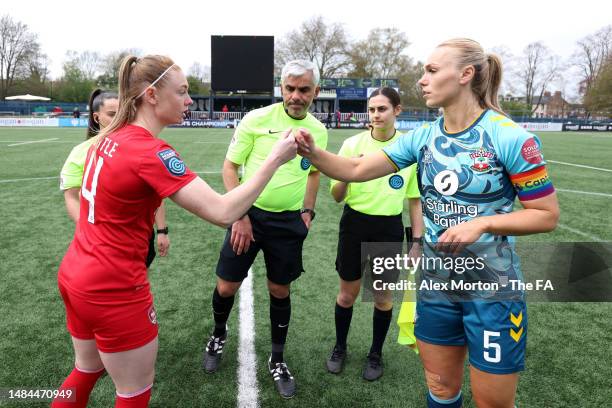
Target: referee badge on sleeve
x=172 y=161
x=305 y=163
x=396 y=182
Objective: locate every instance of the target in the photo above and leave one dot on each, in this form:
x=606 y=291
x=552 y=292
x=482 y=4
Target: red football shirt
x=125 y=179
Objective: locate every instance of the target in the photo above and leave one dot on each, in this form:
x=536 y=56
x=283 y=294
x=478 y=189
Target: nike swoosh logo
x=271 y=132
x=283 y=325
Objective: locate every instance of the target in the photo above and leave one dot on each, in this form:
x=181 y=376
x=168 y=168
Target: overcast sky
x=182 y=29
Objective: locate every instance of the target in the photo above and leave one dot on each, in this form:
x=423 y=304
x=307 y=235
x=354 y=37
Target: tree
x=591 y=54
x=199 y=71
x=110 y=64
x=599 y=96
x=410 y=92
x=89 y=63
x=17 y=47
x=538 y=68
x=381 y=54
x=38 y=67
x=35 y=78
x=317 y=41
x=78 y=79
x=509 y=67
x=515 y=108
x=198 y=78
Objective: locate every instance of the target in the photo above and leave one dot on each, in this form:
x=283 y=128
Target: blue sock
x=435 y=402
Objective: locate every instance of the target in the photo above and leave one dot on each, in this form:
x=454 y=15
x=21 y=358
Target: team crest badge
x=481 y=159
x=152 y=315
x=427 y=157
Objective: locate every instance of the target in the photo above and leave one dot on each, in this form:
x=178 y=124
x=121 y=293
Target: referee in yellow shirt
x=279 y=220
x=373 y=213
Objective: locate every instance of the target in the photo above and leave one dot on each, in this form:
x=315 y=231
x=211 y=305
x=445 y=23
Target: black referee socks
x=280 y=314
x=343 y=315
x=380 y=326
x=221 y=310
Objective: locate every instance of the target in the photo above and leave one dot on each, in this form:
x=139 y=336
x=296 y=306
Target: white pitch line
x=581 y=233
x=601 y=136
x=584 y=192
x=28 y=179
x=581 y=134
x=56 y=177
x=32 y=141
x=76 y=142
x=247 y=362
x=578 y=165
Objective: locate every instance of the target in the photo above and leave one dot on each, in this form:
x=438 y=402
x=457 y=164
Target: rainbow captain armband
x=532 y=184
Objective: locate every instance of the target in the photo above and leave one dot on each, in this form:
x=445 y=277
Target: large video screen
x=242 y=64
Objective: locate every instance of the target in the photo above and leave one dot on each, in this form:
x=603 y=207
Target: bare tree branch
x=17 y=46
x=539 y=69
x=317 y=41
x=590 y=56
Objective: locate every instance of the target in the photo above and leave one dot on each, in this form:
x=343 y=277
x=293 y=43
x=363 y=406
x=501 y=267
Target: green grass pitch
x=568 y=354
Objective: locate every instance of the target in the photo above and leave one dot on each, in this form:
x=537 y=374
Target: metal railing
x=205 y=115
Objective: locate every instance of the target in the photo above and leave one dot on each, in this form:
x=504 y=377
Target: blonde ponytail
x=488 y=71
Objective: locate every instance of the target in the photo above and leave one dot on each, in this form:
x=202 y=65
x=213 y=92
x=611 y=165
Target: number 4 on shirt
x=90 y=194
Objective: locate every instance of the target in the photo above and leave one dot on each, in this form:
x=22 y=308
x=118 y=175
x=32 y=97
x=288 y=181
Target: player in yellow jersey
x=372 y=213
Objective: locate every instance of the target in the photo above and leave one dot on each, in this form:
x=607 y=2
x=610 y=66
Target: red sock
x=80 y=383
x=138 y=399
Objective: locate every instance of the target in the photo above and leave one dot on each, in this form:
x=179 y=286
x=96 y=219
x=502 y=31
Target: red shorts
x=116 y=324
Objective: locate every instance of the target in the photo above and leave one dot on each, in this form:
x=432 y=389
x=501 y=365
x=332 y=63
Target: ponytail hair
x=96 y=101
x=487 y=67
x=135 y=76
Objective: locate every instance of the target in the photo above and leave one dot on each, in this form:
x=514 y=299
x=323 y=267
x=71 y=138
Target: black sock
x=380 y=326
x=222 y=306
x=280 y=314
x=344 y=315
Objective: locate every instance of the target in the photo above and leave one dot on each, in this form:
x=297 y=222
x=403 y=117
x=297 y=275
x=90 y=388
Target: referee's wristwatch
x=308 y=211
x=162 y=230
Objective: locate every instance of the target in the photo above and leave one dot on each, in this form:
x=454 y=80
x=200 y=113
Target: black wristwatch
x=418 y=239
x=309 y=211
x=162 y=230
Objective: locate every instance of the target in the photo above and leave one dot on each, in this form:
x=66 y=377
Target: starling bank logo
x=446 y=182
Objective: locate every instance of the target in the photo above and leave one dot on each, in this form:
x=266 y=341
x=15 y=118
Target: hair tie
x=156 y=81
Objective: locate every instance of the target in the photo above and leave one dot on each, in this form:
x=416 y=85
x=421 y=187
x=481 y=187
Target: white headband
x=156 y=81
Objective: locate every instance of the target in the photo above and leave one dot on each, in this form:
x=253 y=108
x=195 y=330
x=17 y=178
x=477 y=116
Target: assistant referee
x=373 y=213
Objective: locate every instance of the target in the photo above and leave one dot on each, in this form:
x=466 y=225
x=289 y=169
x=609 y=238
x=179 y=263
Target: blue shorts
x=494 y=331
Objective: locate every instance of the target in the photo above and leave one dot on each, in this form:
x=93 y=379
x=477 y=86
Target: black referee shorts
x=151 y=254
x=280 y=235
x=357 y=227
